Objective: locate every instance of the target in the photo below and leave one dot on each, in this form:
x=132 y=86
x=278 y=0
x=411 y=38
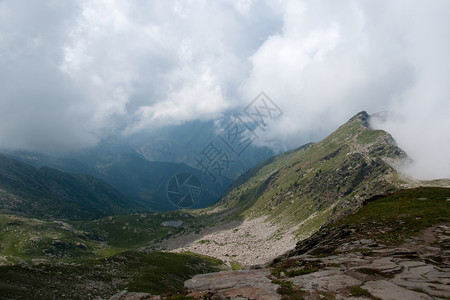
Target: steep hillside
x=320 y=181
x=50 y=193
x=289 y=196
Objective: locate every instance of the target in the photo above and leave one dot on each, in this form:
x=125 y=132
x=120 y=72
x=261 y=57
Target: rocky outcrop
x=323 y=241
x=363 y=270
x=246 y=284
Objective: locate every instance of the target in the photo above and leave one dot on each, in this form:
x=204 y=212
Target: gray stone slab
x=328 y=280
x=432 y=289
x=388 y=291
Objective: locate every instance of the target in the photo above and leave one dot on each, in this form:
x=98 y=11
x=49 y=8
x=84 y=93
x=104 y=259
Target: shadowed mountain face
x=141 y=166
x=150 y=182
x=320 y=181
x=133 y=176
x=51 y=193
x=183 y=143
x=145 y=183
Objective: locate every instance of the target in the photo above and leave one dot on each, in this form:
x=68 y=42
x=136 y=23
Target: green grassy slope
x=388 y=220
x=155 y=273
x=82 y=259
x=131 y=231
x=321 y=181
x=401 y=215
x=25 y=239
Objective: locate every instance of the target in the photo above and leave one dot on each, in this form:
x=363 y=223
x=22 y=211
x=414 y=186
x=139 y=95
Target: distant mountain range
x=142 y=165
x=49 y=193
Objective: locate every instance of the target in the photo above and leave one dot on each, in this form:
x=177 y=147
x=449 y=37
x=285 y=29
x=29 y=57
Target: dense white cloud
x=73 y=72
x=333 y=59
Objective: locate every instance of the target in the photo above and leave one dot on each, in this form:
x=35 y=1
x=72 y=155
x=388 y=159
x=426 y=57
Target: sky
x=75 y=72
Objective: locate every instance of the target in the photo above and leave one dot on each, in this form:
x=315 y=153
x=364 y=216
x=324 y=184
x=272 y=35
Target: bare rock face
x=246 y=284
x=386 y=290
x=330 y=280
x=125 y=295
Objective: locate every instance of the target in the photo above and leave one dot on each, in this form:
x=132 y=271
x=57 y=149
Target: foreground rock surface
x=415 y=270
x=248 y=284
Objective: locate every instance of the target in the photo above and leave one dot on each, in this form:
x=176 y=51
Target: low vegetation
x=155 y=273
x=388 y=220
x=394 y=218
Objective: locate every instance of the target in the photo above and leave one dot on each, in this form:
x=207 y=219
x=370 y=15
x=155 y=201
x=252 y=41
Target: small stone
x=81 y=246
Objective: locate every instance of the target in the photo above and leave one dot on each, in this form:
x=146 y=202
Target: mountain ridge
x=338 y=164
x=49 y=193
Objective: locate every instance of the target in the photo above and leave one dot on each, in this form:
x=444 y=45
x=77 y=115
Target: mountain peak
x=362 y=117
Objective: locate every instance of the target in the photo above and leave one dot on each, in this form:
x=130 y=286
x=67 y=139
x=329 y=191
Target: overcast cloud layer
x=73 y=72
